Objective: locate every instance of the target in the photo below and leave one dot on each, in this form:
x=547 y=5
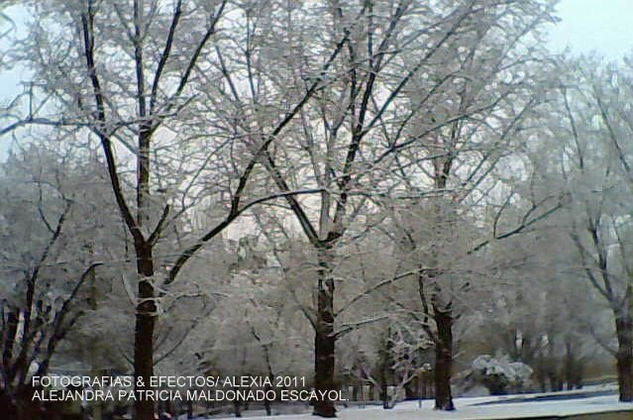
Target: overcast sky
x=604 y=26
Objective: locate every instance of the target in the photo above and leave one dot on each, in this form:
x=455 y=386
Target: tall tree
x=467 y=122
x=401 y=88
x=126 y=75
x=595 y=163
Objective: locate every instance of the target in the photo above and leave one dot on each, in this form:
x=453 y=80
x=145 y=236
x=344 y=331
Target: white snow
x=467 y=408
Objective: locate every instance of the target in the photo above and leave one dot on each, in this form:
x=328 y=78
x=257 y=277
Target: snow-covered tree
x=594 y=157
x=53 y=255
x=146 y=81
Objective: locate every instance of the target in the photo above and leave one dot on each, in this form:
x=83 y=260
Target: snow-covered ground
x=524 y=405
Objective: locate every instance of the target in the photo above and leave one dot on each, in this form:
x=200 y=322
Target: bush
x=500 y=375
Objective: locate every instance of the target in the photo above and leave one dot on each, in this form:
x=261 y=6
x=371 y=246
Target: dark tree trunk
x=624 y=356
x=20 y=367
x=13 y=318
x=324 y=341
x=386 y=372
x=267 y=403
x=443 y=357
x=268 y=407
x=384 y=395
x=555 y=384
x=552 y=363
x=144 y=333
x=570 y=365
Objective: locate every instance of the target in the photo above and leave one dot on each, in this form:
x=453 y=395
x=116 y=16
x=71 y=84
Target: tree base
x=324 y=409
x=448 y=406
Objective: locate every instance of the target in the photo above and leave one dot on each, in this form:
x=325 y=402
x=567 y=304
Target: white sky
x=603 y=26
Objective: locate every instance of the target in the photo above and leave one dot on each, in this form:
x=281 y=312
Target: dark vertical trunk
x=146 y=307
x=442 y=308
x=93 y=301
x=267 y=403
x=386 y=372
x=324 y=340
x=268 y=407
x=569 y=365
x=237 y=408
x=20 y=366
x=384 y=395
x=624 y=356
x=144 y=333
x=443 y=357
x=553 y=374
x=13 y=318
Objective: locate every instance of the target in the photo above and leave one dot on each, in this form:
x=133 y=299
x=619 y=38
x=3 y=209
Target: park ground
x=598 y=402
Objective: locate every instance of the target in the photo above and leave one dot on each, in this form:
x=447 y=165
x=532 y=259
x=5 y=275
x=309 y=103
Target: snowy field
x=506 y=407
